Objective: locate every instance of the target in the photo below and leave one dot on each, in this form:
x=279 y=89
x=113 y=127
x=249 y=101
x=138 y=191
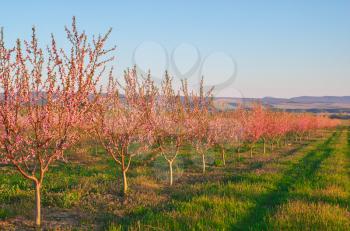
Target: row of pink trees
x=262 y=124
x=50 y=98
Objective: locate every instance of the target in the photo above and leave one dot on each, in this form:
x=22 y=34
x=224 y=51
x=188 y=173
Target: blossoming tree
x=254 y=124
x=224 y=129
x=122 y=123
x=198 y=106
x=44 y=97
x=169 y=119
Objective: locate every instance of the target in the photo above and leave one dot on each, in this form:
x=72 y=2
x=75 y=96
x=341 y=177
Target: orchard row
x=146 y=118
x=52 y=97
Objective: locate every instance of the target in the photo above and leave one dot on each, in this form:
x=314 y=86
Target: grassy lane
x=317 y=201
x=298 y=172
x=253 y=193
x=236 y=202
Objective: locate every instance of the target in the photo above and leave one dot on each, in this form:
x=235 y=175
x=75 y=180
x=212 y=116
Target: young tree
x=254 y=126
x=266 y=121
x=122 y=123
x=275 y=128
x=198 y=106
x=281 y=126
x=301 y=124
x=224 y=130
x=44 y=97
x=169 y=130
x=239 y=116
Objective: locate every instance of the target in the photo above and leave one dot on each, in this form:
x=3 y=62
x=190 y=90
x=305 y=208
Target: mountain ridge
x=331 y=104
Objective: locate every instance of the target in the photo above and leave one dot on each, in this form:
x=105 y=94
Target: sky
x=243 y=48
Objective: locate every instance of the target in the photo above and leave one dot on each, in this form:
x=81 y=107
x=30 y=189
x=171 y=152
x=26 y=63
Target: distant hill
x=308 y=99
x=317 y=104
x=322 y=99
x=330 y=104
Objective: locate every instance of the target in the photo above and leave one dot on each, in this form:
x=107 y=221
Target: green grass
x=304 y=187
x=320 y=201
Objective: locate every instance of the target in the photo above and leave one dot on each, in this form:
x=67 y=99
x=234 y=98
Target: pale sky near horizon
x=262 y=48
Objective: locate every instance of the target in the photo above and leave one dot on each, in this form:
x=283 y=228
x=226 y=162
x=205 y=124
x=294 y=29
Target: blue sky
x=267 y=48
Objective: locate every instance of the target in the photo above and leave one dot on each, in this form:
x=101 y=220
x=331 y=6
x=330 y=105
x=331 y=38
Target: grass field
x=305 y=186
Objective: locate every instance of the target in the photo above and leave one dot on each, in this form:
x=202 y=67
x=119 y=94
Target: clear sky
x=247 y=48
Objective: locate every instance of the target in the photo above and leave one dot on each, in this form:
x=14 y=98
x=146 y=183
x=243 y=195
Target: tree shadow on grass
x=184 y=193
x=298 y=172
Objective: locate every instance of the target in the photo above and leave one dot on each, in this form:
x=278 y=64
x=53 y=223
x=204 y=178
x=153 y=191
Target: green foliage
x=114 y=227
x=62 y=199
x=5 y=213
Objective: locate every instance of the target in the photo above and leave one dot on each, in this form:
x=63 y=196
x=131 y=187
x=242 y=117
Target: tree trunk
x=125 y=183
x=96 y=149
x=264 y=147
x=203 y=163
x=38 y=204
x=223 y=156
x=171 y=172
x=251 y=151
